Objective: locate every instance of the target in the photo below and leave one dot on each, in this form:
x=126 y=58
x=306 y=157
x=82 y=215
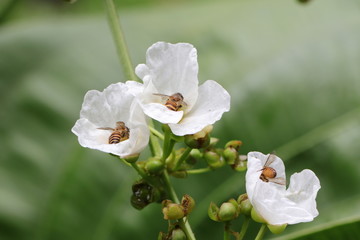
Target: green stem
x=140 y=171
x=261 y=232
x=199 y=171
x=185 y=226
x=227 y=231
x=156 y=133
x=182 y=158
x=119 y=39
x=154 y=143
x=244 y=228
x=168 y=143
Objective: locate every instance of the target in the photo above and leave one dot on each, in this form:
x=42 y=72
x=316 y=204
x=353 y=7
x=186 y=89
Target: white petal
x=104 y=109
x=212 y=102
x=161 y=113
x=275 y=208
x=256 y=162
x=135 y=88
x=142 y=70
x=172 y=68
x=303 y=190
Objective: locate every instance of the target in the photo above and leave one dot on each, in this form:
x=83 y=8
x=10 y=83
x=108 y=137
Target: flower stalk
x=182 y=158
x=119 y=39
x=244 y=228
x=227 y=231
x=261 y=232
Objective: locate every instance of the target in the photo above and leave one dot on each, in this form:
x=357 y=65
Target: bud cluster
x=232 y=209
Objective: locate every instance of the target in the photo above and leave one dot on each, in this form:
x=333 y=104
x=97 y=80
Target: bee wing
x=162 y=95
x=107 y=128
x=271 y=158
x=278 y=180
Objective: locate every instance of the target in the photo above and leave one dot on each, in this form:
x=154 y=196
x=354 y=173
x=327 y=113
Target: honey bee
x=120 y=133
x=173 y=102
x=268 y=174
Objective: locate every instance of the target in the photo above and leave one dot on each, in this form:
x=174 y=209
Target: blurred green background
x=293 y=71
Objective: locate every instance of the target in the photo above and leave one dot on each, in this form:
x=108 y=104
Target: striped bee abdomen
x=118 y=136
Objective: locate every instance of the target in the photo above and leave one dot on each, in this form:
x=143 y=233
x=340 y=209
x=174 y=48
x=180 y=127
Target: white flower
x=276 y=204
x=103 y=110
x=171 y=69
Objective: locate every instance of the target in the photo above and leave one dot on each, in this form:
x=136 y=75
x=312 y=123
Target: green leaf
x=292 y=71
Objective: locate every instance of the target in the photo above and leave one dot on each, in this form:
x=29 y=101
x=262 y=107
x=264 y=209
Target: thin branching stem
x=261 y=232
x=182 y=158
x=119 y=39
x=244 y=228
x=199 y=171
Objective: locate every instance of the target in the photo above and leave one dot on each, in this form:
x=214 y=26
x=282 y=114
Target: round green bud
x=213 y=159
x=245 y=207
x=195 y=153
x=230 y=155
x=213 y=211
x=257 y=217
x=227 y=212
x=188 y=204
x=234 y=144
x=154 y=165
x=236 y=205
x=173 y=211
x=178 y=234
x=132 y=158
x=277 y=229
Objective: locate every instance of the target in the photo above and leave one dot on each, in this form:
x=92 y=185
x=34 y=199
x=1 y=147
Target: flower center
x=119 y=133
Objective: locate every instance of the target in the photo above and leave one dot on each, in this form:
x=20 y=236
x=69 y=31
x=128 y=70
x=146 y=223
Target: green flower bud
x=257 y=217
x=213 y=159
x=236 y=205
x=234 y=144
x=154 y=165
x=188 y=204
x=196 y=154
x=173 y=211
x=227 y=211
x=245 y=207
x=230 y=155
x=132 y=158
x=245 y=204
x=277 y=229
x=178 y=234
x=213 y=211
